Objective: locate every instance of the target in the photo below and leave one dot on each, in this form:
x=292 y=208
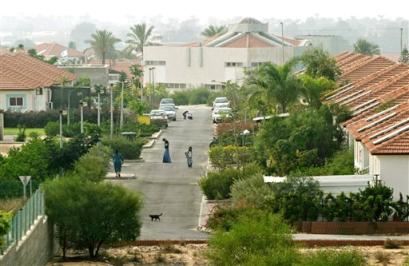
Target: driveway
x=172 y=189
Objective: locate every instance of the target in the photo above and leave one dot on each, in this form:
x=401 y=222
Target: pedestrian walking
x=118 y=160
x=166 y=154
x=189 y=157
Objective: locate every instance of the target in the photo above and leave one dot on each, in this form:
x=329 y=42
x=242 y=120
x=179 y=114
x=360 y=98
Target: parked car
x=170 y=111
x=220 y=102
x=221 y=114
x=167 y=102
x=159 y=117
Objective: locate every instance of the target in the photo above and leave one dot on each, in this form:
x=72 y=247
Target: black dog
x=155 y=217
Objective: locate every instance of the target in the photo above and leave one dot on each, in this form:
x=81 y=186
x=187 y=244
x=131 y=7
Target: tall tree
x=212 y=30
x=103 y=43
x=318 y=63
x=404 y=56
x=140 y=36
x=276 y=84
x=365 y=47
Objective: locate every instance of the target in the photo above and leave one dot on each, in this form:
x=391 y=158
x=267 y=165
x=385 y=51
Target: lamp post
x=112 y=112
x=152 y=70
x=99 y=107
x=82 y=116
x=282 y=38
x=61 y=129
x=121 y=117
x=68 y=108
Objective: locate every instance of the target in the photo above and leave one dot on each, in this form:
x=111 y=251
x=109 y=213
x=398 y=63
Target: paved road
x=172 y=189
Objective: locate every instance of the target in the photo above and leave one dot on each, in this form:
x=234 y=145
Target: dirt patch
x=189 y=254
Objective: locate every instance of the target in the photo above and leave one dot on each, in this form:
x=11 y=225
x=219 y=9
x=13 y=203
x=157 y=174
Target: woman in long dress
x=118 y=160
x=166 y=154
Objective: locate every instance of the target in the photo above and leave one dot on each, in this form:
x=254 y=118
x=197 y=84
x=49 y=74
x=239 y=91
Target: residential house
x=64 y=54
x=377 y=93
x=25 y=82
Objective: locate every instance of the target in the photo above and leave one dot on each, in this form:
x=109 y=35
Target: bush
x=21 y=136
x=89 y=215
x=257 y=238
x=5 y=218
x=298 y=199
x=128 y=148
x=252 y=192
x=333 y=258
x=53 y=129
x=216 y=185
x=223 y=216
x=30 y=119
x=391 y=244
x=181 y=97
x=94 y=164
x=228 y=156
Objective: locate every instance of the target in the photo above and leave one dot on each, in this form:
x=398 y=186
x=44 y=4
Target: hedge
x=128 y=148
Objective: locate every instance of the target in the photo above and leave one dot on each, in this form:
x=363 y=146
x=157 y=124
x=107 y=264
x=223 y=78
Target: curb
x=156 y=135
x=149 y=144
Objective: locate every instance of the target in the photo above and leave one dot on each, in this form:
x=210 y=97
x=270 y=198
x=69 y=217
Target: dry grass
x=382 y=257
x=11 y=205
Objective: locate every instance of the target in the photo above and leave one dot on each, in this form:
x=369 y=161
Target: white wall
x=361 y=156
x=32 y=102
x=196 y=66
x=393 y=170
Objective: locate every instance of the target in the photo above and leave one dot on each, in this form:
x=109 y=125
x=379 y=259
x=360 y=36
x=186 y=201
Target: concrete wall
x=198 y=66
x=35 y=249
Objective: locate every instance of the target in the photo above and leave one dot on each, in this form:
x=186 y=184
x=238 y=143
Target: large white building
x=219 y=59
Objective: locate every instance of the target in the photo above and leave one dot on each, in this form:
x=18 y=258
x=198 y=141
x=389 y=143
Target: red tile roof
x=55 y=49
x=20 y=71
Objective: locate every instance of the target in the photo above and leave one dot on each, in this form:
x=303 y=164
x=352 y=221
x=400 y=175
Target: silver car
x=170 y=111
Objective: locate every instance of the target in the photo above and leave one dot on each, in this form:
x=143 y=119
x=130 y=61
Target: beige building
x=219 y=59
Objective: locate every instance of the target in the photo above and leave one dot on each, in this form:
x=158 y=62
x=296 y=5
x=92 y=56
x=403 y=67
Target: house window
x=233 y=64
x=16 y=102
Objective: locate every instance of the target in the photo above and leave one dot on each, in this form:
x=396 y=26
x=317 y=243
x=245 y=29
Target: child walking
x=189 y=157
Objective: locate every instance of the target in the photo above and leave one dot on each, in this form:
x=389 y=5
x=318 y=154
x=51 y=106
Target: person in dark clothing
x=118 y=160
x=189 y=157
x=166 y=154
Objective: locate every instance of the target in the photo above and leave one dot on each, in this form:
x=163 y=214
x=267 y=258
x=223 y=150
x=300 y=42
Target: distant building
x=98 y=74
x=25 y=82
x=64 y=54
x=216 y=60
x=333 y=44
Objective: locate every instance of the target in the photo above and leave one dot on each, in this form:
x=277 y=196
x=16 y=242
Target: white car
x=158 y=115
x=221 y=114
x=170 y=111
x=220 y=102
x=167 y=102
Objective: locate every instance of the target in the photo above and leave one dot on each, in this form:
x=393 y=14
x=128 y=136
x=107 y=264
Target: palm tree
x=211 y=30
x=139 y=37
x=276 y=84
x=362 y=46
x=312 y=89
x=103 y=43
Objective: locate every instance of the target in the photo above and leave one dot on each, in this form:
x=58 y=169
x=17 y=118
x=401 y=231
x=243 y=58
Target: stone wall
x=36 y=248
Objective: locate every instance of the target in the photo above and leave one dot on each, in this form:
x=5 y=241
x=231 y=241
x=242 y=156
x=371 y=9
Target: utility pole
x=112 y=112
x=82 y=116
x=121 y=118
x=401 y=40
x=61 y=129
x=99 y=108
x=282 y=38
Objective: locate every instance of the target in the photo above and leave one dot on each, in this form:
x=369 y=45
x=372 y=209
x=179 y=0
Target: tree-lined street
x=172 y=189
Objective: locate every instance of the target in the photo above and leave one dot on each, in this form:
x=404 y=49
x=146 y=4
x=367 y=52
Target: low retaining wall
x=354 y=228
x=35 y=249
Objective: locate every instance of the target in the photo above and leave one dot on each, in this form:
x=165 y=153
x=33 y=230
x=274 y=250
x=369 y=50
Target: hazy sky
x=121 y=11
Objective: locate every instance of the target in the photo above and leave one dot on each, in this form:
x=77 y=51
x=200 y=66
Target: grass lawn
x=14 y=131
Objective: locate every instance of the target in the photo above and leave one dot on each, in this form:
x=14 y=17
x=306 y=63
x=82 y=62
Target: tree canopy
x=140 y=36
x=212 y=30
x=319 y=63
x=103 y=43
x=365 y=47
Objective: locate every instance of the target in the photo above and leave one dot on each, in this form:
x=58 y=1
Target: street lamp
x=82 y=116
x=152 y=70
x=121 y=117
x=112 y=112
x=61 y=129
x=282 y=38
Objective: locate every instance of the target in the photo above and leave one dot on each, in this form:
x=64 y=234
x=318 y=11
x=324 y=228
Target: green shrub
x=21 y=136
x=160 y=123
x=217 y=185
x=88 y=214
x=181 y=97
x=224 y=216
x=52 y=129
x=334 y=258
x=199 y=96
x=5 y=218
x=229 y=156
x=252 y=192
x=94 y=164
x=257 y=238
x=391 y=244
x=128 y=148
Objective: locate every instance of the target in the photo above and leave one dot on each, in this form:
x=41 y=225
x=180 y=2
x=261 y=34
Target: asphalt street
x=172 y=189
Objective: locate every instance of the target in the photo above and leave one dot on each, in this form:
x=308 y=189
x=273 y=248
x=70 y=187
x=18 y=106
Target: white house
x=25 y=82
x=218 y=59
